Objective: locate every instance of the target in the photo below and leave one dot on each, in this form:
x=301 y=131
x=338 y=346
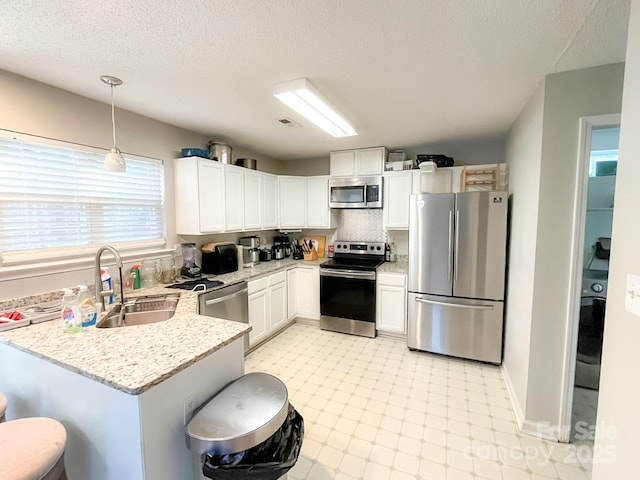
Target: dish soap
x=71 y=316
x=87 y=306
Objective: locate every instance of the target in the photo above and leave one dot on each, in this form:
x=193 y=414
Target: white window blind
x=58 y=202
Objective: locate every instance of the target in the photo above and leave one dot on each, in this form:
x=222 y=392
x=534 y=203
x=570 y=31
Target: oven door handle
x=355 y=274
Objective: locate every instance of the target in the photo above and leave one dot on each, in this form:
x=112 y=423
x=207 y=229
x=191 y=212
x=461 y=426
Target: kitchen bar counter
x=130 y=359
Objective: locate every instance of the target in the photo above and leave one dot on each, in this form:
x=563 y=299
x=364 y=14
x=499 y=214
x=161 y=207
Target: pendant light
x=113 y=161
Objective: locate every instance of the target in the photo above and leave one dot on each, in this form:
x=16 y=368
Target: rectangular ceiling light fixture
x=300 y=95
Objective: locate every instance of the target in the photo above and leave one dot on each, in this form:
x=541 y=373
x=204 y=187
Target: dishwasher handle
x=225 y=297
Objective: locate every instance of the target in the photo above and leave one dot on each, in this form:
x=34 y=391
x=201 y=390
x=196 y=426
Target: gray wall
x=34 y=108
x=523 y=157
x=618 y=419
x=567 y=97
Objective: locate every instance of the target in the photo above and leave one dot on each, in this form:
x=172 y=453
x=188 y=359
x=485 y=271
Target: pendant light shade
x=113 y=161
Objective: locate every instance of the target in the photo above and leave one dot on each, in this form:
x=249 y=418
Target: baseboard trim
x=308 y=321
x=537 y=429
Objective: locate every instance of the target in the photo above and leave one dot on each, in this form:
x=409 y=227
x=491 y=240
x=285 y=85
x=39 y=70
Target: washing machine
x=590 y=331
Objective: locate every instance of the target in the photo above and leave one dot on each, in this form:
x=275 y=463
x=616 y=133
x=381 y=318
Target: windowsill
x=44 y=268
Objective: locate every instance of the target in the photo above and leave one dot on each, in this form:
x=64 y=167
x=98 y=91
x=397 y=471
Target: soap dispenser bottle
x=71 y=316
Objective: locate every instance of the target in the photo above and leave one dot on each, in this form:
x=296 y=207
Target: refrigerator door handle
x=450 y=246
x=456 y=305
x=457 y=246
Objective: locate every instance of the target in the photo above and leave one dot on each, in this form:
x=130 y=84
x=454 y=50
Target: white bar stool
x=32 y=448
x=3 y=407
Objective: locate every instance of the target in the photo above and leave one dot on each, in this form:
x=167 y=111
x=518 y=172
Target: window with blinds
x=58 y=202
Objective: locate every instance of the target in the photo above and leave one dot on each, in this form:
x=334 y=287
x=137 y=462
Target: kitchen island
x=122 y=393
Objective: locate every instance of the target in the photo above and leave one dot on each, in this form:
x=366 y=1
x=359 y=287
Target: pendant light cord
x=113 y=118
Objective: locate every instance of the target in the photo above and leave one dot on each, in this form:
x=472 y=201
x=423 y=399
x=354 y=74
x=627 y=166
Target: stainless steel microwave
x=355 y=192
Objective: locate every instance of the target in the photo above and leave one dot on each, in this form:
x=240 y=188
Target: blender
x=189 y=267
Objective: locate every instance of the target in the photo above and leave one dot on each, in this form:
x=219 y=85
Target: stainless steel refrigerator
x=457 y=252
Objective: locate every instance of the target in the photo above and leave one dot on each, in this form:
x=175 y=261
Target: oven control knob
x=597 y=287
x=378 y=248
x=339 y=246
x=371 y=247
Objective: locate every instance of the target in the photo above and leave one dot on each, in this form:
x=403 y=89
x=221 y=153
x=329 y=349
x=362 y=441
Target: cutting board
x=318 y=243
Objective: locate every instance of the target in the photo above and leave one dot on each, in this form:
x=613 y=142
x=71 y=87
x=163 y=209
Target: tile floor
x=375 y=410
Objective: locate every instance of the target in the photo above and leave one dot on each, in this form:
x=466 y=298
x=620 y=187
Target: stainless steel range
x=348 y=288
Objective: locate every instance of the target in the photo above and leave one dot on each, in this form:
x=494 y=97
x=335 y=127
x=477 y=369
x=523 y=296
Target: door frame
x=586 y=125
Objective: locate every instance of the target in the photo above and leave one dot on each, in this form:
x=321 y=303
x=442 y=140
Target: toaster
x=223 y=259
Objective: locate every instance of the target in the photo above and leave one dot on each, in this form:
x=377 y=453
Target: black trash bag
x=268 y=460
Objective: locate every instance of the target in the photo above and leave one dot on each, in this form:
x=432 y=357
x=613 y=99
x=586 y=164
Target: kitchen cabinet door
x=292 y=293
x=342 y=163
x=360 y=162
x=258 y=316
x=198 y=184
x=234 y=198
x=318 y=211
x=269 y=201
x=391 y=303
x=292 y=201
x=397 y=188
x=253 y=184
x=370 y=161
x=278 y=306
x=308 y=298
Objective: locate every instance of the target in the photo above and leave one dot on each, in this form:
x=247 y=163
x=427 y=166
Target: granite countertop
x=133 y=359
x=130 y=359
x=394 y=267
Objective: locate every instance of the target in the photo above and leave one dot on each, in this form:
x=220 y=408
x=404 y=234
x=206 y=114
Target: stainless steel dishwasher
x=230 y=302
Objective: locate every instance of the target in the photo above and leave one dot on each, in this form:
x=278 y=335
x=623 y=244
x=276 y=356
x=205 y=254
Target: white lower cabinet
x=292 y=293
x=308 y=292
x=391 y=303
x=267 y=306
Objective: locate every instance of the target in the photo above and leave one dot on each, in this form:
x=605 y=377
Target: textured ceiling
x=405 y=72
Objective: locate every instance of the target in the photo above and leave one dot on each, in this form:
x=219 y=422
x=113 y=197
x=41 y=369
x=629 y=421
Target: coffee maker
x=284 y=243
x=250 y=250
x=189 y=267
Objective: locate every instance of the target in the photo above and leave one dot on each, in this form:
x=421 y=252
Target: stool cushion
x=30 y=447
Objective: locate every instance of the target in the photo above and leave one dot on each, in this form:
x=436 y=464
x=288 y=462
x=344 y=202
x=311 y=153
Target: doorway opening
x=593 y=218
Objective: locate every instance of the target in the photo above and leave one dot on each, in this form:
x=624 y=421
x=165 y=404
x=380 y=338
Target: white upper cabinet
x=253 y=204
x=269 y=201
x=199 y=193
x=234 y=198
x=360 y=162
x=397 y=188
x=318 y=211
x=292 y=201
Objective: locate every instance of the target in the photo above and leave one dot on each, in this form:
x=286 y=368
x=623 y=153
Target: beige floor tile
x=375 y=410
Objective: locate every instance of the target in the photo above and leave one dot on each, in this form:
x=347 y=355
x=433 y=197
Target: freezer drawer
x=453 y=326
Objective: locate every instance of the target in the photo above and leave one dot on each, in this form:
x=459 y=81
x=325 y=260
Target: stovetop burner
x=353 y=263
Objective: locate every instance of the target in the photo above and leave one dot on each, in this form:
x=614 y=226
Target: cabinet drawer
x=257 y=285
x=277 y=278
x=392 y=279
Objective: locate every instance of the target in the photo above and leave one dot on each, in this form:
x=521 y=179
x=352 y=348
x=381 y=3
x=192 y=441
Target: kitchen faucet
x=100 y=293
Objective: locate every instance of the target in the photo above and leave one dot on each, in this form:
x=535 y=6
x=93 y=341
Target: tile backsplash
x=360 y=224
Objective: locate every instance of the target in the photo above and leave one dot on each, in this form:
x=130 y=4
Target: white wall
x=618 y=419
x=34 y=108
x=539 y=294
x=523 y=157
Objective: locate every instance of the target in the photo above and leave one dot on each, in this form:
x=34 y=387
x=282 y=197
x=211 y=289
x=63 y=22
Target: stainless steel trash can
x=243 y=414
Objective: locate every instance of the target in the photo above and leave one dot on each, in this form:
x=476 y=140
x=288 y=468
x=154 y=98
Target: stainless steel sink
x=140 y=311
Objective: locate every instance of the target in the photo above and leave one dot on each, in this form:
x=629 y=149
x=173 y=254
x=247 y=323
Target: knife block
x=311 y=256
